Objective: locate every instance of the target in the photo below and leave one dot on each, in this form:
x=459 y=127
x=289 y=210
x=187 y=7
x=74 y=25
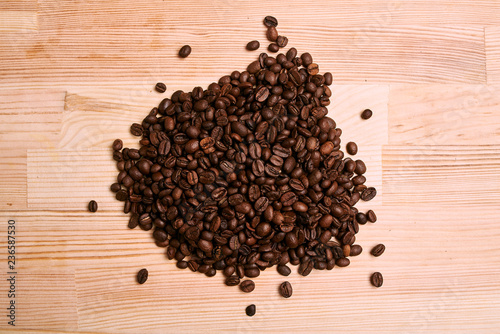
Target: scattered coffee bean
x=142 y=276
x=185 y=51
x=281 y=41
x=355 y=250
x=352 y=148
x=368 y=194
x=377 y=279
x=284 y=270
x=270 y=21
x=273 y=47
x=250 y=310
x=378 y=250
x=247 y=286
x=372 y=218
x=272 y=34
x=286 y=289
x=160 y=87
x=117 y=145
x=92 y=206
x=366 y=114
x=253 y=45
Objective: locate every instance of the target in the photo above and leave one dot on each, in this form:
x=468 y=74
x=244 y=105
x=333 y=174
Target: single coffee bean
x=273 y=47
x=378 y=250
x=117 y=145
x=185 y=51
x=377 y=279
x=160 y=87
x=368 y=194
x=282 y=41
x=352 y=148
x=286 y=289
x=270 y=21
x=355 y=250
x=284 y=270
x=142 y=276
x=253 y=45
x=232 y=280
x=136 y=129
x=92 y=206
x=247 y=286
x=250 y=310
x=372 y=218
x=366 y=114
x=272 y=34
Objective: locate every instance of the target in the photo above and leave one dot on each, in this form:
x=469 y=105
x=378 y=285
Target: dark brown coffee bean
x=232 y=281
x=270 y=21
x=272 y=34
x=284 y=270
x=342 y=262
x=377 y=280
x=313 y=69
x=117 y=145
x=247 y=286
x=160 y=87
x=352 y=148
x=262 y=94
x=142 y=276
x=185 y=51
x=305 y=268
x=273 y=47
x=92 y=206
x=286 y=289
x=372 y=218
x=366 y=114
x=281 y=41
x=378 y=250
x=368 y=194
x=253 y=45
x=355 y=250
x=136 y=129
x=250 y=310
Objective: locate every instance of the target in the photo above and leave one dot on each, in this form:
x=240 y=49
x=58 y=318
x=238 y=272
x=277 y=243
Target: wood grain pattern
x=444 y=114
x=492 y=43
x=451 y=175
x=75 y=74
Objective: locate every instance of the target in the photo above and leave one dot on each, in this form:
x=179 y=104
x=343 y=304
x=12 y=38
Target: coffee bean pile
x=247 y=174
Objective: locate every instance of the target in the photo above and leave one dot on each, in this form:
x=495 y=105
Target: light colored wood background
x=75 y=74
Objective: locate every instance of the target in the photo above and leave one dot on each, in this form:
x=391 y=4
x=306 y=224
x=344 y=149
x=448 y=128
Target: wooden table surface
x=75 y=74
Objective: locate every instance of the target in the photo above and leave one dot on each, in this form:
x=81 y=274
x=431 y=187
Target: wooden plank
x=444 y=114
x=70 y=179
x=410 y=54
x=13 y=169
x=444 y=175
x=17 y=20
x=492 y=47
x=44 y=299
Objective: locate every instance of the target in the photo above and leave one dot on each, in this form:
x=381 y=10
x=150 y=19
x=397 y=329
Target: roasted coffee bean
x=117 y=145
x=286 y=289
x=247 y=286
x=136 y=129
x=368 y=194
x=92 y=206
x=377 y=280
x=160 y=87
x=253 y=45
x=352 y=148
x=273 y=47
x=232 y=280
x=284 y=270
x=270 y=21
x=281 y=41
x=250 y=310
x=272 y=34
x=355 y=250
x=372 y=218
x=185 y=51
x=366 y=114
x=305 y=268
x=142 y=276
x=378 y=250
